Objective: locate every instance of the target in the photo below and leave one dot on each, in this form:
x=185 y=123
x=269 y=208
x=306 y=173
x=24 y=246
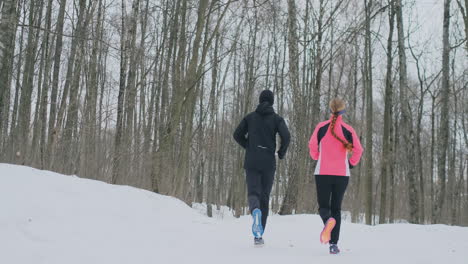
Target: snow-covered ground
x=51 y=218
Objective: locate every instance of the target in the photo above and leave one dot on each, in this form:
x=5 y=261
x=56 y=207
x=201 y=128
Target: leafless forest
x=148 y=94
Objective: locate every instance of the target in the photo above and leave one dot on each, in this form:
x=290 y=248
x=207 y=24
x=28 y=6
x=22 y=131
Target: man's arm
x=240 y=132
x=285 y=138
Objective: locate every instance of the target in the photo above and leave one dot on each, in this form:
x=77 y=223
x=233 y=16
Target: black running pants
x=330 y=193
x=259 y=185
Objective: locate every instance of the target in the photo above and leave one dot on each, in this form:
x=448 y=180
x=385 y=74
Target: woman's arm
x=357 y=149
x=313 y=145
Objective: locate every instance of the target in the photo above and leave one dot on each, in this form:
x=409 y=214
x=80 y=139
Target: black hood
x=265 y=108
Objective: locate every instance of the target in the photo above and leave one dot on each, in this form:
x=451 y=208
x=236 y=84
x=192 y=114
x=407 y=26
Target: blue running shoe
x=257 y=229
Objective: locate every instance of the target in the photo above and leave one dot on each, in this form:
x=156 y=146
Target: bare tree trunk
x=88 y=158
x=290 y=202
x=407 y=122
x=319 y=66
x=369 y=112
x=14 y=115
x=443 y=137
x=142 y=157
x=433 y=132
x=102 y=123
x=388 y=124
x=178 y=96
x=45 y=86
x=161 y=154
x=130 y=100
x=36 y=129
x=214 y=124
x=464 y=11
x=55 y=79
x=420 y=167
x=8 y=23
x=24 y=118
x=392 y=171
x=452 y=177
x=117 y=155
x=70 y=133
x=357 y=176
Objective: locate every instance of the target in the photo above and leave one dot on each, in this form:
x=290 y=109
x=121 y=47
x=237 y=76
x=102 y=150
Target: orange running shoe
x=327 y=229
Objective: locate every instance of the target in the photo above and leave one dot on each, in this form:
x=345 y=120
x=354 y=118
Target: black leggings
x=259 y=184
x=330 y=193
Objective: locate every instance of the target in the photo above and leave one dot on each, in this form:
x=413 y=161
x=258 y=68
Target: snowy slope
x=51 y=218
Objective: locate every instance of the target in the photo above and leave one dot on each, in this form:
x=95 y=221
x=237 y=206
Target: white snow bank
x=50 y=218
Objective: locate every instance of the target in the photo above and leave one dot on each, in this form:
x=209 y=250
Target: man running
x=256 y=133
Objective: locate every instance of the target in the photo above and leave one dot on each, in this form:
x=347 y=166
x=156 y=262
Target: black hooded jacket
x=257 y=134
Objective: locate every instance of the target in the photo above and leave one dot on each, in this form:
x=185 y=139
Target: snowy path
x=50 y=218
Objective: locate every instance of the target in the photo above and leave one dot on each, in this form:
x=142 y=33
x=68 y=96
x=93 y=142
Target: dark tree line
x=148 y=93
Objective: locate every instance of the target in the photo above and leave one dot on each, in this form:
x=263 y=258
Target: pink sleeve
x=313 y=145
x=357 y=149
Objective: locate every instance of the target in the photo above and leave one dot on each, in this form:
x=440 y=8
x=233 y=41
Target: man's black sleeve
x=240 y=132
x=285 y=138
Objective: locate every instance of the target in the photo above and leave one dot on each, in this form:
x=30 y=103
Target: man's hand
x=280 y=156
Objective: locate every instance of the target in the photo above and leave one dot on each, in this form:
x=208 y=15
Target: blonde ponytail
x=337 y=105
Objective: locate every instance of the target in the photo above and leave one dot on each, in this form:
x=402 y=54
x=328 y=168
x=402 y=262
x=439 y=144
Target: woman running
x=331 y=143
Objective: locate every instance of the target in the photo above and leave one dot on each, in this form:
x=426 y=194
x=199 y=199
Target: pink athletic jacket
x=331 y=154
